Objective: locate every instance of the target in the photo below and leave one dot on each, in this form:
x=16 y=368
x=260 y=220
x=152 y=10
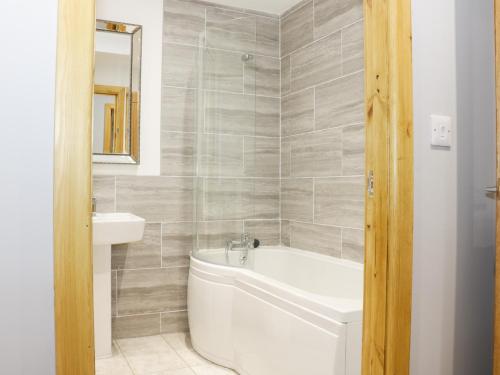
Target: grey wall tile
x=180 y=65
x=353 y=150
x=156 y=199
x=184 y=22
x=177 y=244
x=285 y=157
x=136 y=326
x=104 y=192
x=267 y=232
x=173 y=322
x=223 y=70
x=142 y=254
x=242 y=114
x=331 y=15
x=339 y=201
x=297 y=113
x=177 y=153
x=268 y=36
x=353 y=48
x=297 y=29
x=215 y=234
x=262 y=157
x=286 y=75
x=353 y=241
x=152 y=290
x=317 y=238
x=180 y=109
x=317 y=154
x=297 y=199
x=231 y=30
x=317 y=63
x=262 y=76
x=230 y=113
x=340 y=102
x=267 y=116
x=236 y=199
x=221 y=155
x=285 y=233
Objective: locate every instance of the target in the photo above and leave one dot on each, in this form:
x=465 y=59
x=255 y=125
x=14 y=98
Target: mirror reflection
x=117 y=93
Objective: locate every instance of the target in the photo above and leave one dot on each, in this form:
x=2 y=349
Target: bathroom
x=252 y=187
x=249 y=141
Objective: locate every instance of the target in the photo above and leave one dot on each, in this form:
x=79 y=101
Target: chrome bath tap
x=245 y=243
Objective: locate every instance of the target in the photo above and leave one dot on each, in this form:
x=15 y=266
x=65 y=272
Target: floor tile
x=212 y=370
x=116 y=365
x=178 y=340
x=183 y=371
x=192 y=358
x=149 y=355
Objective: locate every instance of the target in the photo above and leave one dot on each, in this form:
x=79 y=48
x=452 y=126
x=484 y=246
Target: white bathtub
x=286 y=312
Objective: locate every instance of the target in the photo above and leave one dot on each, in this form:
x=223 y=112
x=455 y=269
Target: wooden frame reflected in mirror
x=114 y=132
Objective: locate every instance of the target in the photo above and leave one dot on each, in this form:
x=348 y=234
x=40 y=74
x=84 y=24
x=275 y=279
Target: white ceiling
x=268 y=6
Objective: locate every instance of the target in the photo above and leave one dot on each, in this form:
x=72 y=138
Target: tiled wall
x=322 y=127
x=238 y=132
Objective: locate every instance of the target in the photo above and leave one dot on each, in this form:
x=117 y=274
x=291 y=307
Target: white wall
x=27 y=69
x=149 y=14
x=449 y=317
x=435 y=226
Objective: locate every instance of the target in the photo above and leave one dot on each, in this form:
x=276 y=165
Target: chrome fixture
x=245 y=243
x=246 y=57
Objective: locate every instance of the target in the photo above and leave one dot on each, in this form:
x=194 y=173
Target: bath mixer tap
x=245 y=243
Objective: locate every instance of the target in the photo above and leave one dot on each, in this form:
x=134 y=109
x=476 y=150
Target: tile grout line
x=323 y=37
x=280 y=134
x=341 y=53
x=296 y=92
x=125 y=357
x=176 y=352
x=218 y=91
x=340 y=127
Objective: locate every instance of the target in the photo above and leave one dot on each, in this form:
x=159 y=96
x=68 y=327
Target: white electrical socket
x=440 y=131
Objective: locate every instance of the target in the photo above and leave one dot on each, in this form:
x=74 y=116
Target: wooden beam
x=73 y=189
x=389 y=209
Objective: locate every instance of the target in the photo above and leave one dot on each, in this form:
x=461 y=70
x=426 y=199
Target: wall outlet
x=440 y=131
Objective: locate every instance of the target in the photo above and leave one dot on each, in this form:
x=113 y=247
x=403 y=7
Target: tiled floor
x=170 y=354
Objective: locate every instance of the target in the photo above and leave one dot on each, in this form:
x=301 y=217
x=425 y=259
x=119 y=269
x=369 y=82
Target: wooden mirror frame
x=389 y=211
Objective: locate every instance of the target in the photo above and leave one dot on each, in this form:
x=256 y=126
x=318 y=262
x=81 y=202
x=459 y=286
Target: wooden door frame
x=389 y=210
x=496 y=335
x=73 y=274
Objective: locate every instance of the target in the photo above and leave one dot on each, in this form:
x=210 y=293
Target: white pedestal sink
x=109 y=229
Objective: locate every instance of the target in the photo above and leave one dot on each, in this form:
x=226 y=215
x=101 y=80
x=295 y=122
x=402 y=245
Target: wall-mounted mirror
x=117 y=92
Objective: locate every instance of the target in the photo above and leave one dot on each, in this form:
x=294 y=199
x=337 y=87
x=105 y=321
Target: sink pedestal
x=102 y=301
x=108 y=229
